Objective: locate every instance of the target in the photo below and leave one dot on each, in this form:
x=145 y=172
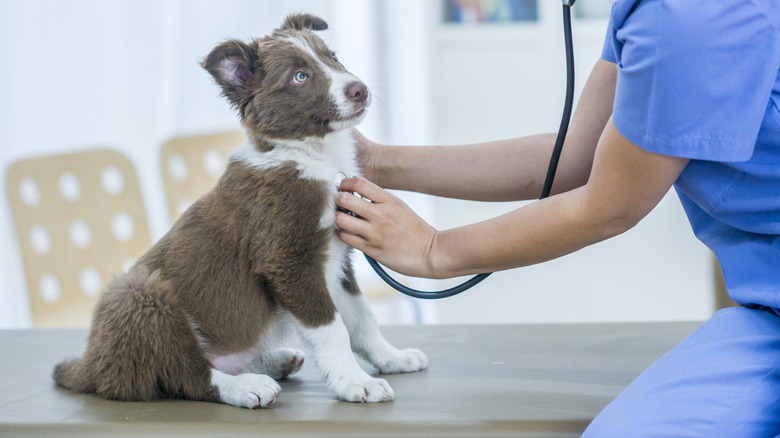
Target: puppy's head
x=289 y=85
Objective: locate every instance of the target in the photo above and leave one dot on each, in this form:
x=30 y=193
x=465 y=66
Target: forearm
x=538 y=232
x=509 y=169
x=625 y=185
x=494 y=171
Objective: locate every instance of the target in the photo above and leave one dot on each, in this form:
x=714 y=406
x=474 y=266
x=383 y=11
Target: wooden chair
x=192 y=165
x=79 y=219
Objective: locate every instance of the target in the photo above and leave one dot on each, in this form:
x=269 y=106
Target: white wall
x=79 y=74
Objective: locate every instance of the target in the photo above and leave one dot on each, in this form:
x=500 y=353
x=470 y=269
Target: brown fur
x=304 y=22
x=255 y=246
x=140 y=347
x=263 y=255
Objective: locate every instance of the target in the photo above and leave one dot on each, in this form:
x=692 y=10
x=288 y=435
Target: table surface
x=500 y=380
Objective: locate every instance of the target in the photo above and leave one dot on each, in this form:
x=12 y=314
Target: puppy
x=202 y=314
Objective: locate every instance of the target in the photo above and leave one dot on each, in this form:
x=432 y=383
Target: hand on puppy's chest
x=337 y=180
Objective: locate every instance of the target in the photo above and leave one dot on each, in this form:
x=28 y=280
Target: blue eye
x=299 y=77
x=336 y=58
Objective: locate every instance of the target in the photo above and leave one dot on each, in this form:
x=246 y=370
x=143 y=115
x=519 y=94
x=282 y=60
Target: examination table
x=545 y=380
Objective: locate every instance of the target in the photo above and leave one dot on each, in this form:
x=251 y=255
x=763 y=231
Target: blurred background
x=124 y=76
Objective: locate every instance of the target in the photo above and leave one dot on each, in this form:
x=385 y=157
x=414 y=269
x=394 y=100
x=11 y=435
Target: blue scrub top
x=701 y=80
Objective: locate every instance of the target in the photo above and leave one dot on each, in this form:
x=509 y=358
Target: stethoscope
x=548 y=182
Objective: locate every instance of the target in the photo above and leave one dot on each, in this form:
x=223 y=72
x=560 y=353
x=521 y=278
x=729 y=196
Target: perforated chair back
x=192 y=165
x=79 y=219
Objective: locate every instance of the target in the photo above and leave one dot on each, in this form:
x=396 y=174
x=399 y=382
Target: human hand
x=385 y=228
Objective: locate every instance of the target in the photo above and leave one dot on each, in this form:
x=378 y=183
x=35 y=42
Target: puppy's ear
x=304 y=22
x=232 y=64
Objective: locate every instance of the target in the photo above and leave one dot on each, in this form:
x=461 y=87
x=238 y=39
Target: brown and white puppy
x=201 y=315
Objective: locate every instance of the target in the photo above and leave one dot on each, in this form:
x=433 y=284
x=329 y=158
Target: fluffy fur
x=203 y=313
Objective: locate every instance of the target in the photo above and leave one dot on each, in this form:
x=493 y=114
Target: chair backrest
x=79 y=220
x=192 y=165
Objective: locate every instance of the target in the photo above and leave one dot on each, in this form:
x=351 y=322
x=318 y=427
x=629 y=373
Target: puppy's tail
x=67 y=374
x=141 y=346
x=116 y=316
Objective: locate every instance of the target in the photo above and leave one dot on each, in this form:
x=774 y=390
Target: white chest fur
x=316 y=158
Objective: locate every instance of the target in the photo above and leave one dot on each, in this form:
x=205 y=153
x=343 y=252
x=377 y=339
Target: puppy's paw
x=246 y=390
x=403 y=361
x=284 y=362
x=368 y=390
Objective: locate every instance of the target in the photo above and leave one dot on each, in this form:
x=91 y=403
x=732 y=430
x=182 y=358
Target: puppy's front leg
x=308 y=299
x=329 y=345
x=365 y=337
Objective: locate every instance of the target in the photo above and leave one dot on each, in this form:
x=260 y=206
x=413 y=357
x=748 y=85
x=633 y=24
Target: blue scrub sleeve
x=693 y=79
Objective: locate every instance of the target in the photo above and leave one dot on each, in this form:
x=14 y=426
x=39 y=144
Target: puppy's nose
x=357 y=92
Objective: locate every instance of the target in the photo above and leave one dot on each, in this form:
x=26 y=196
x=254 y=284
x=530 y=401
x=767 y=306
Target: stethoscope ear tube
x=548 y=181
x=567 y=106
